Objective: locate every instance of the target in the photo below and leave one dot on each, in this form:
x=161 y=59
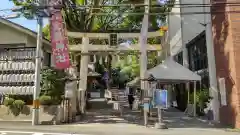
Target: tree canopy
x=85 y=19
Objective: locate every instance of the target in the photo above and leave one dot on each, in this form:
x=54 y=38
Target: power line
x=189 y=5
x=7 y=9
x=79 y=7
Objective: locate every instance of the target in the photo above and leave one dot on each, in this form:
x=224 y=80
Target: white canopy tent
x=172 y=72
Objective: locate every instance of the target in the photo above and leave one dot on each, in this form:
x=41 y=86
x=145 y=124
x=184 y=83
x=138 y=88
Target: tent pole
x=195 y=104
x=188 y=92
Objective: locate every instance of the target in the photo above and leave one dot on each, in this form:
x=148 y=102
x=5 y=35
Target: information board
x=160 y=98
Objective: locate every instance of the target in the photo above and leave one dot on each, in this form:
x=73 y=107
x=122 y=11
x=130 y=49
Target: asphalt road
x=32 y=133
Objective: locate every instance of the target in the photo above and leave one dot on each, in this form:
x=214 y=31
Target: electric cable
x=189 y=5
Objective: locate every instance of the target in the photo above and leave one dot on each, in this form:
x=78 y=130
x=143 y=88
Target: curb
x=16 y=122
x=29 y=122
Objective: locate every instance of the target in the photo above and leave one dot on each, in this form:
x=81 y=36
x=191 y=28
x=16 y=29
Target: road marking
x=36 y=133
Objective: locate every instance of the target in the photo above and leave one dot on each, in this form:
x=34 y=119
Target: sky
x=31 y=24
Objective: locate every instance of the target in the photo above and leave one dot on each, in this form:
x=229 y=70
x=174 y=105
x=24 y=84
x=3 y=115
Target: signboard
x=59 y=38
x=160 y=98
x=223 y=94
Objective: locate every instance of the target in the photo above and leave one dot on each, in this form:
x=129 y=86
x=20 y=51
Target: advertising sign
x=59 y=39
x=160 y=98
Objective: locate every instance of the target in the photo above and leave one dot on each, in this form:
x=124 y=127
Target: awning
x=170 y=70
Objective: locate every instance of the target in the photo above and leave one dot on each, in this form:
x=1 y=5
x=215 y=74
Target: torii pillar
x=83 y=72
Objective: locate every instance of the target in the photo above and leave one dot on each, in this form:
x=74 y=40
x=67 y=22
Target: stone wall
x=48 y=114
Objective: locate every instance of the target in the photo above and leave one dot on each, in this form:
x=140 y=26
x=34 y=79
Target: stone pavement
x=108 y=122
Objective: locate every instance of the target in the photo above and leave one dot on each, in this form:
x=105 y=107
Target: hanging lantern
x=94 y=58
x=161 y=32
x=164 y=28
x=100 y=60
x=106 y=59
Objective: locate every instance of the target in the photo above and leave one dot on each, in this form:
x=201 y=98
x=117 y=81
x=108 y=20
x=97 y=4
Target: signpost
x=146 y=110
x=160 y=101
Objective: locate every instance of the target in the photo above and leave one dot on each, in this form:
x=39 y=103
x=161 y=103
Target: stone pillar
x=84 y=72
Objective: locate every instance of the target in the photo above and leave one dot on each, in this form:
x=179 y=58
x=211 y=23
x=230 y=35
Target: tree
x=86 y=20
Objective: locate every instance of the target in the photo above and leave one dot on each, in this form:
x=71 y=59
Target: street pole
x=38 y=60
x=213 y=90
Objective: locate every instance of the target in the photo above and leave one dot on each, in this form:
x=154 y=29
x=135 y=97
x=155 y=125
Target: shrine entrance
x=101 y=100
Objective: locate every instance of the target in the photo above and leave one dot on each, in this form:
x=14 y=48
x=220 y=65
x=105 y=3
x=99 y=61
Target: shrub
x=8 y=102
x=202 y=98
x=52 y=84
x=17 y=107
x=45 y=100
x=18 y=104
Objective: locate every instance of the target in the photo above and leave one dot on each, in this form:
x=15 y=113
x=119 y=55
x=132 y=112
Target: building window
x=197 y=53
x=179 y=58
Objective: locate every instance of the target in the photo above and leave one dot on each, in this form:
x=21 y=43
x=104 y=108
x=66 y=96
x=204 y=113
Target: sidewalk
x=108 y=122
x=115 y=129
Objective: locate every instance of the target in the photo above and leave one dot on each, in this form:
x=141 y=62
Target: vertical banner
x=59 y=39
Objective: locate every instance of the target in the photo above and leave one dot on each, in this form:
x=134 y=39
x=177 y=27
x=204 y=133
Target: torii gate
x=85 y=49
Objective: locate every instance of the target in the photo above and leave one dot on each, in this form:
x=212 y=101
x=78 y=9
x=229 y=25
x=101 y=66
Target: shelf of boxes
x=17 y=71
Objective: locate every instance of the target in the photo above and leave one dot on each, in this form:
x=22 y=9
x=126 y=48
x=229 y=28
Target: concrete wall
x=9 y=35
x=191 y=26
x=181 y=32
x=174 y=31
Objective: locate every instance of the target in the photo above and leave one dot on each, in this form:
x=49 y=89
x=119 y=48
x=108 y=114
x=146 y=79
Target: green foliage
x=18 y=104
x=8 y=101
x=15 y=106
x=45 y=100
x=29 y=11
x=130 y=69
x=86 y=20
x=53 y=84
x=46 y=32
x=202 y=98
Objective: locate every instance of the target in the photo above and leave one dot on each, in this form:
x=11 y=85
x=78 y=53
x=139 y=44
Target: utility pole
x=38 y=61
x=213 y=90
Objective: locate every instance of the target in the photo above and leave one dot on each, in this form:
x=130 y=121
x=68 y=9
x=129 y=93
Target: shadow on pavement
x=172 y=117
